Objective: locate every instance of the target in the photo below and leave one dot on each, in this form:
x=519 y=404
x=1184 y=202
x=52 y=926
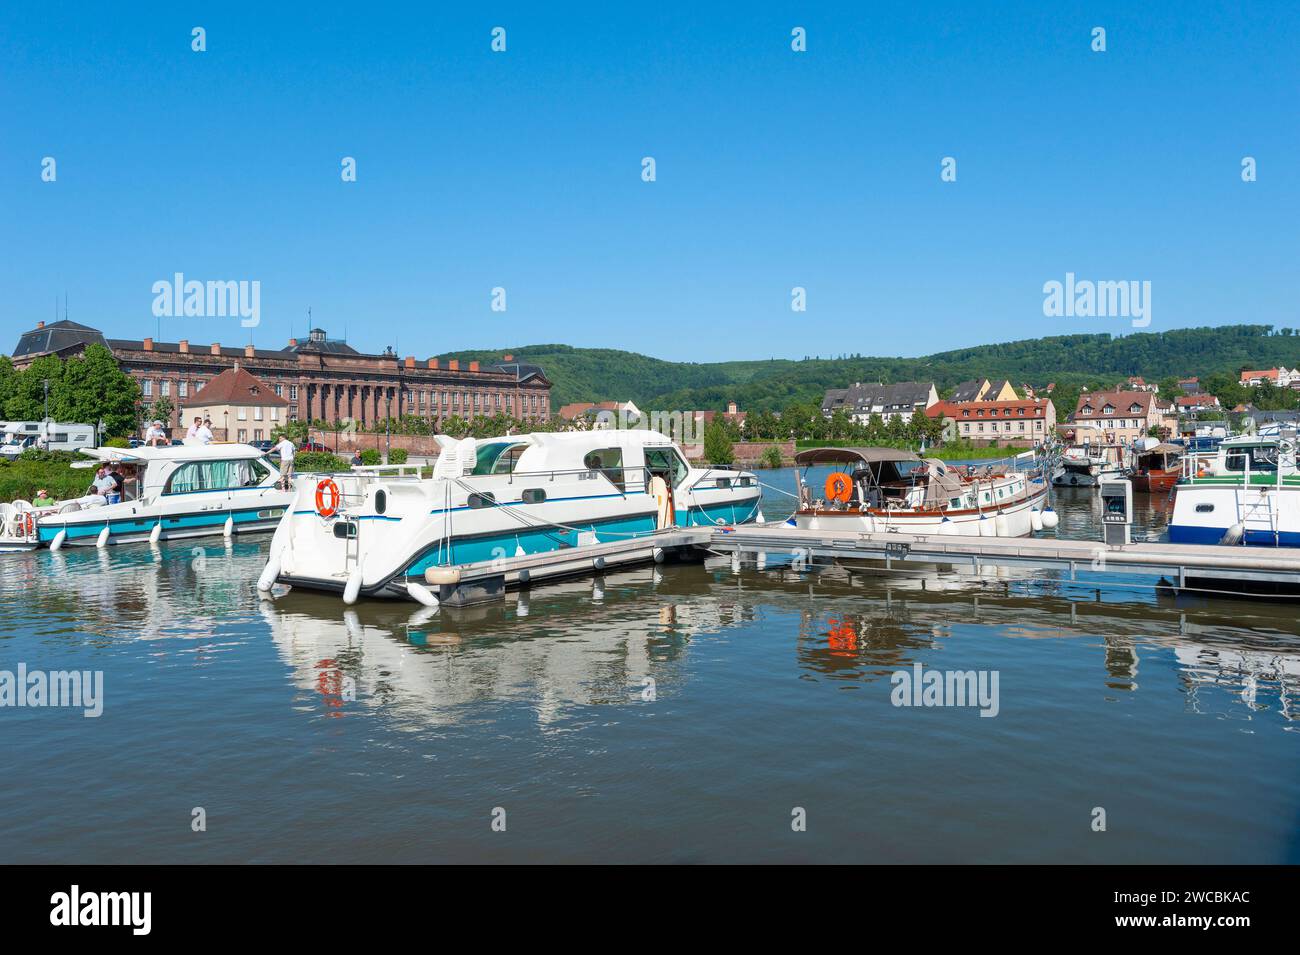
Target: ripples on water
x=668 y=714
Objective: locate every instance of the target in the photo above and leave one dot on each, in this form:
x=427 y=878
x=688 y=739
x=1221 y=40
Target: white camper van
x=18 y=436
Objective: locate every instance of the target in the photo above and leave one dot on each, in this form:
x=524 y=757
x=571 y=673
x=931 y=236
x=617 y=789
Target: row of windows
x=1006 y=412
x=993 y=426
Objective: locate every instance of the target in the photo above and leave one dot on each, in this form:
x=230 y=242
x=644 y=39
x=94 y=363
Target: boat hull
x=1264 y=515
x=1014 y=519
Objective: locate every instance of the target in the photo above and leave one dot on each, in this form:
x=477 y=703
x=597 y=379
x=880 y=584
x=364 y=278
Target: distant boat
x=1158 y=468
x=884 y=489
x=1087 y=465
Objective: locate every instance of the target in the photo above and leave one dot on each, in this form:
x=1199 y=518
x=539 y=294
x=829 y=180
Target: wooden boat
x=1158 y=468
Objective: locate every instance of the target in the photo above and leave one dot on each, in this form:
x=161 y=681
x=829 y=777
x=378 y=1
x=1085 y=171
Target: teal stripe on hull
x=470 y=550
x=731 y=512
x=132 y=527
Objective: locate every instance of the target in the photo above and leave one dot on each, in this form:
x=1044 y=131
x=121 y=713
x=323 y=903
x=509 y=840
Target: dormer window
x=1134 y=408
x=1108 y=410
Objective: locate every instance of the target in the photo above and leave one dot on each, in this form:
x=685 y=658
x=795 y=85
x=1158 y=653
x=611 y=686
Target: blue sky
x=775 y=169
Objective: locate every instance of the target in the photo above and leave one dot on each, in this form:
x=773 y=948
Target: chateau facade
x=320 y=378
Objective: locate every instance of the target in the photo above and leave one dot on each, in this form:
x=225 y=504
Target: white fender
x=353 y=587
x=102 y=539
x=59 y=538
x=524 y=575
x=1233 y=534
x=987 y=529
x=442 y=575
x=421 y=593
x=1035 y=520
x=267 y=579
x=659 y=555
x=1000 y=527
x=760 y=519
x=598 y=563
x=229 y=527
x=155 y=532
x=1050 y=519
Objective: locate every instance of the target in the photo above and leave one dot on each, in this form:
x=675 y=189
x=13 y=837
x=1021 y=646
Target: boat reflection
x=613 y=640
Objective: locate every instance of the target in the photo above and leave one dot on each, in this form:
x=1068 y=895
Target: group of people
x=108 y=483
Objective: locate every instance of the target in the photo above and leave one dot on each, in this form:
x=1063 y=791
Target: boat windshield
x=500 y=457
x=1260 y=458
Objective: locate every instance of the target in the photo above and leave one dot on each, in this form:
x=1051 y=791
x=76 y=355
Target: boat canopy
x=853 y=455
x=1163 y=449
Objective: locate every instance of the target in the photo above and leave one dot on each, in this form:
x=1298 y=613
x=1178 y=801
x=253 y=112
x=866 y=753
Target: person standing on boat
x=286 y=451
x=205 y=431
x=192 y=433
x=115 y=485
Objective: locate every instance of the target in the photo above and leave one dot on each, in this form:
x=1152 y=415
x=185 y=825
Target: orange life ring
x=324 y=487
x=839 y=487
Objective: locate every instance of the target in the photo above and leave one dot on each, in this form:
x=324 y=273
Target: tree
x=717 y=446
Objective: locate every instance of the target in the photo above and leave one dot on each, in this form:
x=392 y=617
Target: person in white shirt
x=286 y=451
x=204 y=433
x=192 y=432
x=155 y=437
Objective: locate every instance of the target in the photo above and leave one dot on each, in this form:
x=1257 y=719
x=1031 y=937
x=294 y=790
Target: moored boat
x=1087 y=465
x=178 y=491
x=385 y=532
x=1158 y=468
x=884 y=489
x=1249 y=493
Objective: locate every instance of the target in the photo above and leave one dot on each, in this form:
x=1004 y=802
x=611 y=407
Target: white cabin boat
x=887 y=490
x=382 y=531
x=1248 y=493
x=1087 y=465
x=190 y=490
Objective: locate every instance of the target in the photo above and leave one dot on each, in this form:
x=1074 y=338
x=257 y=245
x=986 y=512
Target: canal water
x=670 y=714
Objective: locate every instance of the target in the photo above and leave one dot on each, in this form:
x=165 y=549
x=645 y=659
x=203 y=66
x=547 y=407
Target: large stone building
x=1022 y=421
x=321 y=379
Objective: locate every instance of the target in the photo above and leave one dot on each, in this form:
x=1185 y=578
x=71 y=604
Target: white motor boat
x=1248 y=493
x=887 y=490
x=1087 y=465
x=380 y=531
x=188 y=490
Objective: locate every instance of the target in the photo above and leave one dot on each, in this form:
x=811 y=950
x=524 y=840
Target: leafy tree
x=717 y=445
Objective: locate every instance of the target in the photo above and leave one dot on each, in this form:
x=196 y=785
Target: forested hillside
x=1072 y=361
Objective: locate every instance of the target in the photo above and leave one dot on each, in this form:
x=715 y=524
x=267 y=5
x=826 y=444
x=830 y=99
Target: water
x=308 y=732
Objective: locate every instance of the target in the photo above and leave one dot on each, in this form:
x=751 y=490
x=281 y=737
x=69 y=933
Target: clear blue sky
x=775 y=169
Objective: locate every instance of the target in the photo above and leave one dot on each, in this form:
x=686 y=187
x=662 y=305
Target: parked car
x=314 y=446
x=263 y=445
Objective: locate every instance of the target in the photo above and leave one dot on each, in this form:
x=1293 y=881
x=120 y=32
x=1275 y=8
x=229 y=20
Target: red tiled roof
x=1034 y=408
x=234 y=386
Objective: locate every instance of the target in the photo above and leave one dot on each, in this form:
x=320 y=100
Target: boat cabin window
x=609 y=462
x=500 y=457
x=215 y=476
x=482 y=499
x=1260 y=457
x=533 y=495
x=667 y=464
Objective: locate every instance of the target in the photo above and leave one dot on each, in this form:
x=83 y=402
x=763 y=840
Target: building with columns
x=322 y=379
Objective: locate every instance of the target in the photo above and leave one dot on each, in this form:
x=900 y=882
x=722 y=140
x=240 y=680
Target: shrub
x=397 y=456
x=23 y=478
x=319 y=461
x=117 y=443
x=370 y=457
x=771 y=457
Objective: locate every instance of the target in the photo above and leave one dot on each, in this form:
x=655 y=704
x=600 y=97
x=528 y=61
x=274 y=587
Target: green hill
x=1072 y=361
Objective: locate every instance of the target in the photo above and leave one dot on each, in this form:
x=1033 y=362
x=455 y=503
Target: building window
x=146 y=387
x=243 y=414
x=182 y=388
x=166 y=388
x=257 y=414
x=293 y=393
x=279 y=390
x=243 y=435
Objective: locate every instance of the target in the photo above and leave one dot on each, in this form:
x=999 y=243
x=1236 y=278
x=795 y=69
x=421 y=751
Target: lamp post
x=388 y=422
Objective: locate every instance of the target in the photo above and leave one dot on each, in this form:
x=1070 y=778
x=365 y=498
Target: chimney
x=507 y=357
x=473 y=366
x=148 y=344
x=248 y=351
x=216 y=348
x=454 y=364
x=433 y=363
x=410 y=361
x=40 y=324
x=184 y=347
x=293 y=342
